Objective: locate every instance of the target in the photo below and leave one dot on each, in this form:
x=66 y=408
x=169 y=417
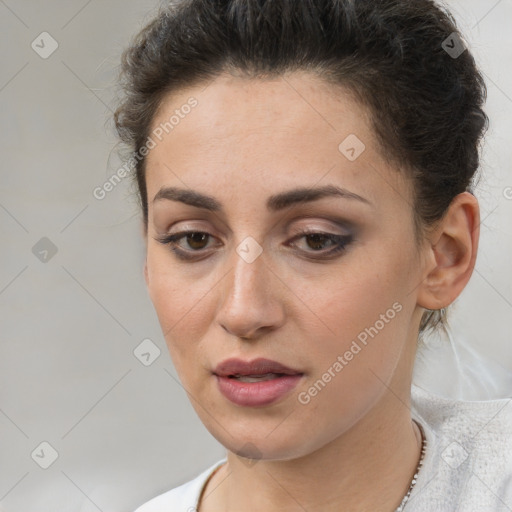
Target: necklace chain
x=416 y=473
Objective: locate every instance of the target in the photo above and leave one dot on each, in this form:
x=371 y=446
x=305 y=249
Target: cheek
x=364 y=329
x=361 y=315
x=182 y=306
x=348 y=299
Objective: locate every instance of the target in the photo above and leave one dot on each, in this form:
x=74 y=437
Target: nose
x=250 y=304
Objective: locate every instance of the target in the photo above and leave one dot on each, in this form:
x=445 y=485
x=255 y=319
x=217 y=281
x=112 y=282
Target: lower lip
x=256 y=393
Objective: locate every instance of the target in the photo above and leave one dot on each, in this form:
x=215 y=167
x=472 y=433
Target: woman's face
x=341 y=311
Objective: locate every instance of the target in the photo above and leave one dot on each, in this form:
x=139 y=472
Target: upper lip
x=258 y=366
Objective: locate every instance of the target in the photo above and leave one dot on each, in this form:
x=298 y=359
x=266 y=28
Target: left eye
x=198 y=240
x=317 y=240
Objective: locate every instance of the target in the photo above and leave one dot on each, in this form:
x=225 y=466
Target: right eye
x=196 y=240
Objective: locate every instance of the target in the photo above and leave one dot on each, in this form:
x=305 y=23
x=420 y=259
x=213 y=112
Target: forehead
x=234 y=106
x=253 y=135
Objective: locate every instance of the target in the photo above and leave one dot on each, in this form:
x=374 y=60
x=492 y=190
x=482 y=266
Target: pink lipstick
x=255 y=383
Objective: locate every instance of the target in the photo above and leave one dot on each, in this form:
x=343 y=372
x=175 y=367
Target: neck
x=368 y=468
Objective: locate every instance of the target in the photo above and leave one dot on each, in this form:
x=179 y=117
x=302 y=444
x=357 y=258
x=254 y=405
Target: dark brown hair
x=425 y=102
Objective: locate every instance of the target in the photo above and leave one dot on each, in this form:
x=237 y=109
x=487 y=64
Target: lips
x=257 y=368
x=257 y=383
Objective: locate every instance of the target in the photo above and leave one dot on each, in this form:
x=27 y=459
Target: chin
x=263 y=445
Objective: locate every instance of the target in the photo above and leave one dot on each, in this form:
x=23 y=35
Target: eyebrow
x=274 y=203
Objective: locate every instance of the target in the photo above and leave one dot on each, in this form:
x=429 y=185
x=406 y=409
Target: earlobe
x=452 y=254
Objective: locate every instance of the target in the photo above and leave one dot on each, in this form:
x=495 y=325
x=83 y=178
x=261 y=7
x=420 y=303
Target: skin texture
x=353 y=446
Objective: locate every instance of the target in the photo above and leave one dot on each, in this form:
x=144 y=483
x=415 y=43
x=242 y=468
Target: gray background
x=70 y=321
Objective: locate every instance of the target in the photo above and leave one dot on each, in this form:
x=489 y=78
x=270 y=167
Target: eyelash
x=341 y=243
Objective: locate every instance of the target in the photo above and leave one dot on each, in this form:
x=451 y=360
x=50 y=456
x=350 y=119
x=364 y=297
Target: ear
x=451 y=253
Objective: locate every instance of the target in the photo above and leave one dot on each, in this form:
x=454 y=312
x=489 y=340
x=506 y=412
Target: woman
x=305 y=172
